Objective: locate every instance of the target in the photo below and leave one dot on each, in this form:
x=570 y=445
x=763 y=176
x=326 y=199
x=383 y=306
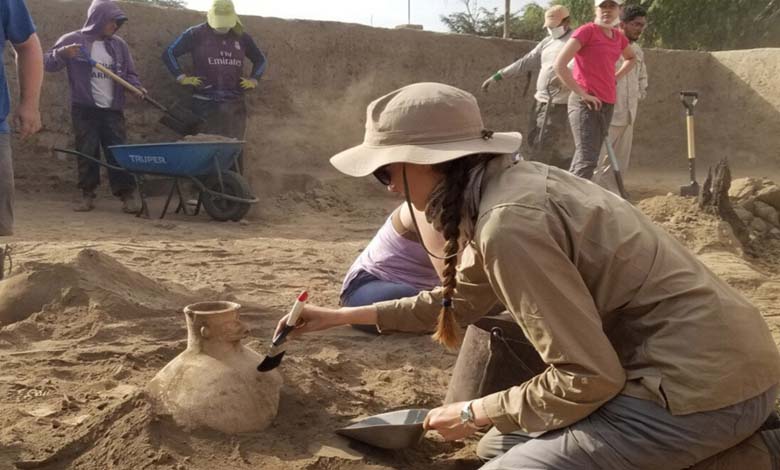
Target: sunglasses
x=382 y=174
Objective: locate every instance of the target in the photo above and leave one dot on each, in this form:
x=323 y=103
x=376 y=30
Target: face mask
x=222 y=30
x=556 y=32
x=614 y=23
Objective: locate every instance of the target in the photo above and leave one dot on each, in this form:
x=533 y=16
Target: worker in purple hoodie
x=218 y=48
x=97 y=102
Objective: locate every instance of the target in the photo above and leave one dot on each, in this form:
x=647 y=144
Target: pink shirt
x=594 y=63
x=391 y=257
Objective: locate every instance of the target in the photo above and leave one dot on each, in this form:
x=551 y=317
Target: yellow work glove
x=186 y=80
x=248 y=83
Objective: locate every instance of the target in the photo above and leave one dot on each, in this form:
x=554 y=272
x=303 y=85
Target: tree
x=675 y=24
x=163 y=3
x=580 y=11
x=477 y=21
x=713 y=24
x=507 y=16
x=483 y=22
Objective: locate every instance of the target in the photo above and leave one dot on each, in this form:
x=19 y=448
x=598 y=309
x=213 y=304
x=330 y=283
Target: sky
x=380 y=13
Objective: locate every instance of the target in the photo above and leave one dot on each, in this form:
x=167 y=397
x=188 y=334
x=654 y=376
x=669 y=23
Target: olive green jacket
x=612 y=303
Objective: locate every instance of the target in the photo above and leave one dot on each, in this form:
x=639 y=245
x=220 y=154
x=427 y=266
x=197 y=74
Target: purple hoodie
x=80 y=71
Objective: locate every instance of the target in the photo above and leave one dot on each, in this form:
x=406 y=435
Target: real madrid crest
x=238 y=46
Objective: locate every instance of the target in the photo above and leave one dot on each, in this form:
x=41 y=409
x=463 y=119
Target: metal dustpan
x=393 y=430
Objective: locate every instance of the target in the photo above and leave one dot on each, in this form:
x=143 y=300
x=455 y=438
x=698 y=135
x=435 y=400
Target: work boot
x=129 y=203
x=86 y=203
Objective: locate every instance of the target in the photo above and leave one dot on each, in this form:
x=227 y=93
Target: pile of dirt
x=206 y=138
x=92 y=333
x=706 y=234
x=70 y=355
x=90 y=280
x=698 y=231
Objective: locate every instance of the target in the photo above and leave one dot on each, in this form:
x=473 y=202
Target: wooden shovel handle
x=119 y=79
x=130 y=86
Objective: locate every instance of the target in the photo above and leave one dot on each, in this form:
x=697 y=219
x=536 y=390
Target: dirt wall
x=321 y=75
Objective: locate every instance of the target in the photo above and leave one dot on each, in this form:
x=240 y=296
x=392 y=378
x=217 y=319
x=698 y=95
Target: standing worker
x=218 y=48
x=630 y=90
x=17 y=27
x=595 y=48
x=549 y=126
x=97 y=102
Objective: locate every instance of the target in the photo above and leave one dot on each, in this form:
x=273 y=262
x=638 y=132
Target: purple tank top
x=391 y=257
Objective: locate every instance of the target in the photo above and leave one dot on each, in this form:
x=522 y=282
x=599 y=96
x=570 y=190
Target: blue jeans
x=367 y=289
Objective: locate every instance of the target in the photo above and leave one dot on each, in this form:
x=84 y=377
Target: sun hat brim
x=217 y=21
x=364 y=159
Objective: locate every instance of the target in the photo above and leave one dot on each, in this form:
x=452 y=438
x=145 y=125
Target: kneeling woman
x=650 y=357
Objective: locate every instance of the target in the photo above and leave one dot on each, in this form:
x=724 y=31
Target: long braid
x=455 y=180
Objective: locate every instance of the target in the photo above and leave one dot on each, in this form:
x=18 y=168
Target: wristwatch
x=467 y=414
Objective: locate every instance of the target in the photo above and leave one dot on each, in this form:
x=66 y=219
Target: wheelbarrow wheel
x=222 y=209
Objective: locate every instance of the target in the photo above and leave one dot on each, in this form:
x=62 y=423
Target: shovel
x=275 y=354
x=612 y=158
x=689 y=100
x=545 y=119
x=181 y=121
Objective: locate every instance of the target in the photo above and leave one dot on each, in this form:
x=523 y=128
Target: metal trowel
x=394 y=430
x=274 y=356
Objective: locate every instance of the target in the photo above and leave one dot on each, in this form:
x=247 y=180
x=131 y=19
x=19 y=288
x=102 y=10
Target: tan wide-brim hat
x=554 y=15
x=426 y=124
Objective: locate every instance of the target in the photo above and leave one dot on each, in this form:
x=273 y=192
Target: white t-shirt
x=102 y=85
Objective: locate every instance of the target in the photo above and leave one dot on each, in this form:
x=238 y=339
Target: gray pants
x=588 y=128
x=552 y=145
x=629 y=433
x=6 y=187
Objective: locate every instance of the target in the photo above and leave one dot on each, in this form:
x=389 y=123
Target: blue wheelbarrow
x=223 y=193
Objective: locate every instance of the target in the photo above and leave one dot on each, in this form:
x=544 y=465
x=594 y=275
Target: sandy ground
x=104 y=291
x=96 y=297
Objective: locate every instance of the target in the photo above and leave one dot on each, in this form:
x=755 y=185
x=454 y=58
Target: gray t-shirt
x=542 y=59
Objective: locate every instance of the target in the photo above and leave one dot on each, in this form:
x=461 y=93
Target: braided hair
x=446 y=209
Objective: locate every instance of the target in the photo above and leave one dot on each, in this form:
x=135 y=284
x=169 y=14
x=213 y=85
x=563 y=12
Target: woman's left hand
x=446 y=421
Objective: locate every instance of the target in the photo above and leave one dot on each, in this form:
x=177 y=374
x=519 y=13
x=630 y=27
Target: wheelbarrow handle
x=90 y=158
x=689 y=100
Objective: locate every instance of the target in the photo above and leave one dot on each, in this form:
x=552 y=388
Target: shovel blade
x=271 y=362
x=181 y=119
x=690 y=190
x=179 y=126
